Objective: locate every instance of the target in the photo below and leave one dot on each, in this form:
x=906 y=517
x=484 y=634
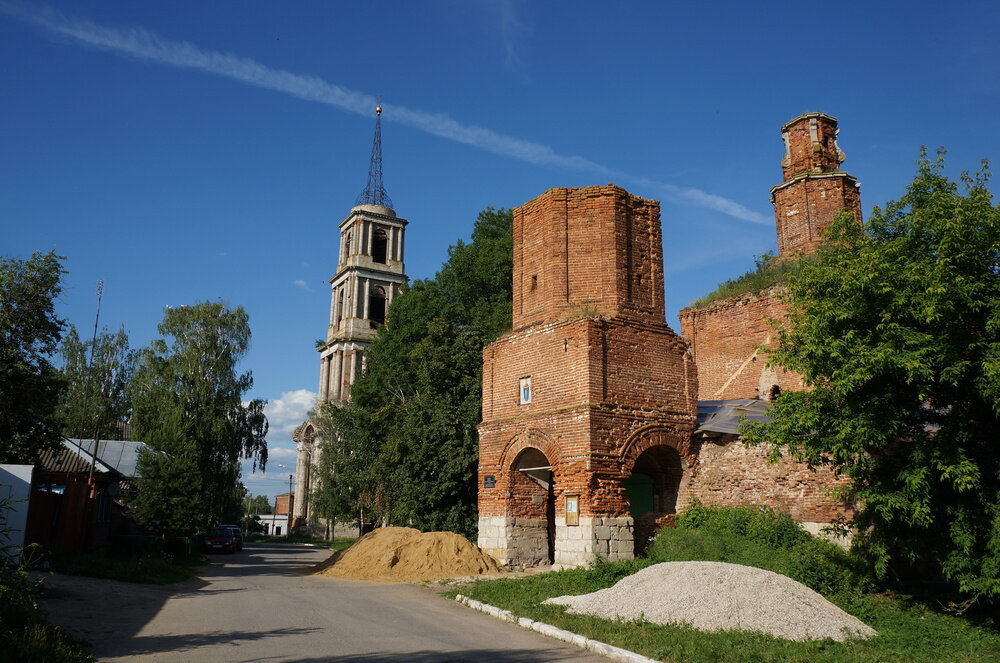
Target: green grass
x=768 y=273
x=154 y=568
x=909 y=631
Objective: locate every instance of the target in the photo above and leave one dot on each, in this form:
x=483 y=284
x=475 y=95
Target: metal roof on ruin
x=725 y=416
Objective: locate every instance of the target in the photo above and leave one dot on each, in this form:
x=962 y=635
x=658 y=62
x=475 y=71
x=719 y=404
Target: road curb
x=595 y=646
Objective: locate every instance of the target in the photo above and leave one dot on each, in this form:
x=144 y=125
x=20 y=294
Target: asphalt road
x=260 y=605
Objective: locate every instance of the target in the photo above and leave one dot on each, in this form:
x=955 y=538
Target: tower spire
x=374 y=193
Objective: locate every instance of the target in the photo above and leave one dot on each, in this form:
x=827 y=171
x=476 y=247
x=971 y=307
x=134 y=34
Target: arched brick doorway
x=651 y=490
x=532 y=493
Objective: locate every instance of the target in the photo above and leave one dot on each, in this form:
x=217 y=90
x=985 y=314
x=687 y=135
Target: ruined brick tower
x=814 y=189
x=729 y=336
x=589 y=403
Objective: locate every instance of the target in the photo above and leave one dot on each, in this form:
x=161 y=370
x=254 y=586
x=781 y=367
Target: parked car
x=221 y=539
x=237 y=532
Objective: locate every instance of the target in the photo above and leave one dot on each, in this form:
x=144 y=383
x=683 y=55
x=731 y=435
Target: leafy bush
x=763 y=538
x=25 y=635
x=757 y=523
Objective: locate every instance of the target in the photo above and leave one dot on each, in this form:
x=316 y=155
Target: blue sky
x=187 y=151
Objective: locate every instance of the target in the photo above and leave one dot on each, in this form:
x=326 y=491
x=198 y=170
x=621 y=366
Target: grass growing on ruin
x=768 y=273
x=908 y=630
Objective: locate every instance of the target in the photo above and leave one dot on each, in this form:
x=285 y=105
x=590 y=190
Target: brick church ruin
x=599 y=421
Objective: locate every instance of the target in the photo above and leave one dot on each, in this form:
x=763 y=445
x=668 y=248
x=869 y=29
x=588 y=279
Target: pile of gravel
x=716 y=596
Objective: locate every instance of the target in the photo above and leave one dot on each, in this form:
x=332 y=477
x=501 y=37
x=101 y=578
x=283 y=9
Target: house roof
x=725 y=416
x=66 y=460
x=113 y=457
x=121 y=456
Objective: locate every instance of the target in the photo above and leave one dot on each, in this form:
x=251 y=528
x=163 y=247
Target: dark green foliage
x=97 y=393
x=896 y=328
x=406 y=446
x=760 y=537
x=30 y=387
x=767 y=273
x=759 y=524
x=187 y=404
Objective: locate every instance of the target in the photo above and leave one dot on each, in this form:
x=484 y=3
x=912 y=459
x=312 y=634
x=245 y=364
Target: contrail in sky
x=145 y=45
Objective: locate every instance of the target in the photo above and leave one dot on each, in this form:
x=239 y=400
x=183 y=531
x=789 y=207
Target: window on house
x=534 y=282
x=347 y=247
x=379 y=244
x=376 y=306
x=525 y=390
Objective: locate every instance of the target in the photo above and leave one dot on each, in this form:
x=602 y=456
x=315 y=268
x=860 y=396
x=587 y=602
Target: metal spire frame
x=374 y=193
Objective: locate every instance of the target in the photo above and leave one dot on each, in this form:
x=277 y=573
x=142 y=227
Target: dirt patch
x=403 y=554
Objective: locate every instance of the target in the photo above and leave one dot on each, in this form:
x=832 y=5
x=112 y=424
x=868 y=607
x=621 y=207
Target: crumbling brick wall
x=726 y=337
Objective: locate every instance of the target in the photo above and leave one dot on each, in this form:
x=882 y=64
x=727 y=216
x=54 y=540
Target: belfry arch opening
x=534 y=507
x=651 y=491
x=376 y=306
x=380 y=243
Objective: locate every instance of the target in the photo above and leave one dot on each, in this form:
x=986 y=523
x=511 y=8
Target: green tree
x=257 y=504
x=30 y=386
x=97 y=390
x=405 y=448
x=896 y=328
x=187 y=404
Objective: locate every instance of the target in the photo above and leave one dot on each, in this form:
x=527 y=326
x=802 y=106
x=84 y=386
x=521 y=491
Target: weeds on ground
x=909 y=631
x=26 y=636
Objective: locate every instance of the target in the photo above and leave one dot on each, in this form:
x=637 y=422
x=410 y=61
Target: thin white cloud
x=512 y=31
x=302 y=284
x=145 y=45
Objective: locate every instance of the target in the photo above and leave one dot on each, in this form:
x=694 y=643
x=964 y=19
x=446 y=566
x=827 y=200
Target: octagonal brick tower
x=589 y=403
x=814 y=189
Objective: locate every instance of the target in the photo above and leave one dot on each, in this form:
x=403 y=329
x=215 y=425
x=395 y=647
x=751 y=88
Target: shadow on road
x=468 y=656
x=157 y=644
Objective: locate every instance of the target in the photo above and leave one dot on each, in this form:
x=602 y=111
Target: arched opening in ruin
x=533 y=505
x=376 y=306
x=380 y=243
x=651 y=491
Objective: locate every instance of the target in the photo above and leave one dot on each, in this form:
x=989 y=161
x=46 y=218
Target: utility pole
x=90 y=382
x=289 y=503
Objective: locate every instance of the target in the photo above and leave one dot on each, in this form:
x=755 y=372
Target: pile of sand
x=716 y=596
x=403 y=554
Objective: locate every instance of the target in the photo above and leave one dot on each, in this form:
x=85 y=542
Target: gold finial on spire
x=378 y=110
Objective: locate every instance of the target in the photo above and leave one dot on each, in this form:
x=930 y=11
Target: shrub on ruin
x=895 y=328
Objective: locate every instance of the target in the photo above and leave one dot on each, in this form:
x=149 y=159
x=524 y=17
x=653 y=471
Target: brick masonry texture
x=725 y=337
x=614 y=390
